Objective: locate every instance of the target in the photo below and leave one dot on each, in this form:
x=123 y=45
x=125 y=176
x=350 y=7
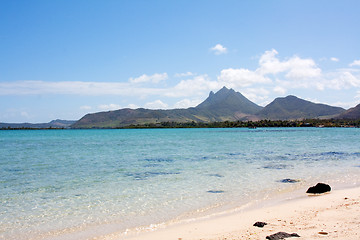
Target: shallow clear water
x=97 y=181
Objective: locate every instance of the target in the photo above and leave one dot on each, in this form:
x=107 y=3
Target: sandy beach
x=334 y=215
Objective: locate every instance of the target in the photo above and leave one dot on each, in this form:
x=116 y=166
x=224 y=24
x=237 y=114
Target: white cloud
x=219 y=49
x=256 y=94
x=186 y=103
x=355 y=63
x=294 y=68
x=157 y=104
x=345 y=105
x=299 y=69
x=241 y=77
x=289 y=84
x=343 y=79
x=334 y=59
x=155 y=78
x=192 y=87
x=109 y=107
x=269 y=64
x=357 y=95
x=133 y=106
x=279 y=90
x=187 y=74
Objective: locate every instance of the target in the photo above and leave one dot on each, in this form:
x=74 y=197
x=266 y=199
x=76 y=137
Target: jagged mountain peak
x=228 y=100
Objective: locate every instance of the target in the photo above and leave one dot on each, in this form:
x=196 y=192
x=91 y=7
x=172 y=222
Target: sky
x=63 y=59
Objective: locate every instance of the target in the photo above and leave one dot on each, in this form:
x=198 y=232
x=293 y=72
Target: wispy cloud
x=186 y=74
x=355 y=63
x=133 y=106
x=157 y=104
x=74 y=88
x=192 y=87
x=334 y=59
x=186 y=103
x=155 y=78
x=279 y=90
x=109 y=107
x=219 y=49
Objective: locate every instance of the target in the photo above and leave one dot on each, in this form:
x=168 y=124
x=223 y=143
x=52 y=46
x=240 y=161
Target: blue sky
x=63 y=59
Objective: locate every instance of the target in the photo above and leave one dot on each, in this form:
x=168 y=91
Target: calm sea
x=75 y=184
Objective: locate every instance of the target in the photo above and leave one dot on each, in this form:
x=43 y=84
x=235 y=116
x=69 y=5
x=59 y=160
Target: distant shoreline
x=226 y=124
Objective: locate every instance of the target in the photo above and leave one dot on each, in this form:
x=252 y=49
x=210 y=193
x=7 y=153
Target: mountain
x=224 y=105
x=127 y=116
x=292 y=108
x=352 y=113
x=53 y=124
x=228 y=102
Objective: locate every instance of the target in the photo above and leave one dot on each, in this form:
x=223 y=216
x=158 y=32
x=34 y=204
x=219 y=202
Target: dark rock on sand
x=289 y=180
x=215 y=191
x=319 y=188
x=260 y=224
x=281 y=235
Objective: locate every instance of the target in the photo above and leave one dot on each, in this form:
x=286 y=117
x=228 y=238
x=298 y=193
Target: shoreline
x=335 y=215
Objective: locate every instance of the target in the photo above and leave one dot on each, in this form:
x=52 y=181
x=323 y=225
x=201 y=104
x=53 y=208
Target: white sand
x=335 y=215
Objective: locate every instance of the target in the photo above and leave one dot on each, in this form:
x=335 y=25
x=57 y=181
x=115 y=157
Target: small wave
x=332 y=153
x=14 y=170
x=276 y=166
x=146 y=175
x=216 y=175
x=215 y=191
x=159 y=160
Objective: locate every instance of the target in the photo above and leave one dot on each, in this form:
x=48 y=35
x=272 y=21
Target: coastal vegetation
x=254 y=124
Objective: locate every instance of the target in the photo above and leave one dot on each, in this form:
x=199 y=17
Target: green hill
x=352 y=113
x=292 y=108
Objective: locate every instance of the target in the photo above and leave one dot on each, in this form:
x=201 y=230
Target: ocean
x=79 y=184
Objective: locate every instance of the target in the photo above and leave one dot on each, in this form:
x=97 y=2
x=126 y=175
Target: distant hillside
x=53 y=124
x=292 y=108
x=225 y=105
x=127 y=116
x=352 y=113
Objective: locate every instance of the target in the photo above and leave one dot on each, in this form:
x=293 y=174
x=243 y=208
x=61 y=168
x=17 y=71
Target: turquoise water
x=74 y=184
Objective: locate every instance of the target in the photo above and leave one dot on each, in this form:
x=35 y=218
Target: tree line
x=252 y=124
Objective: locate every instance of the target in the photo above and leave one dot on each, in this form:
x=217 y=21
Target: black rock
x=319 y=188
x=281 y=235
x=260 y=224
